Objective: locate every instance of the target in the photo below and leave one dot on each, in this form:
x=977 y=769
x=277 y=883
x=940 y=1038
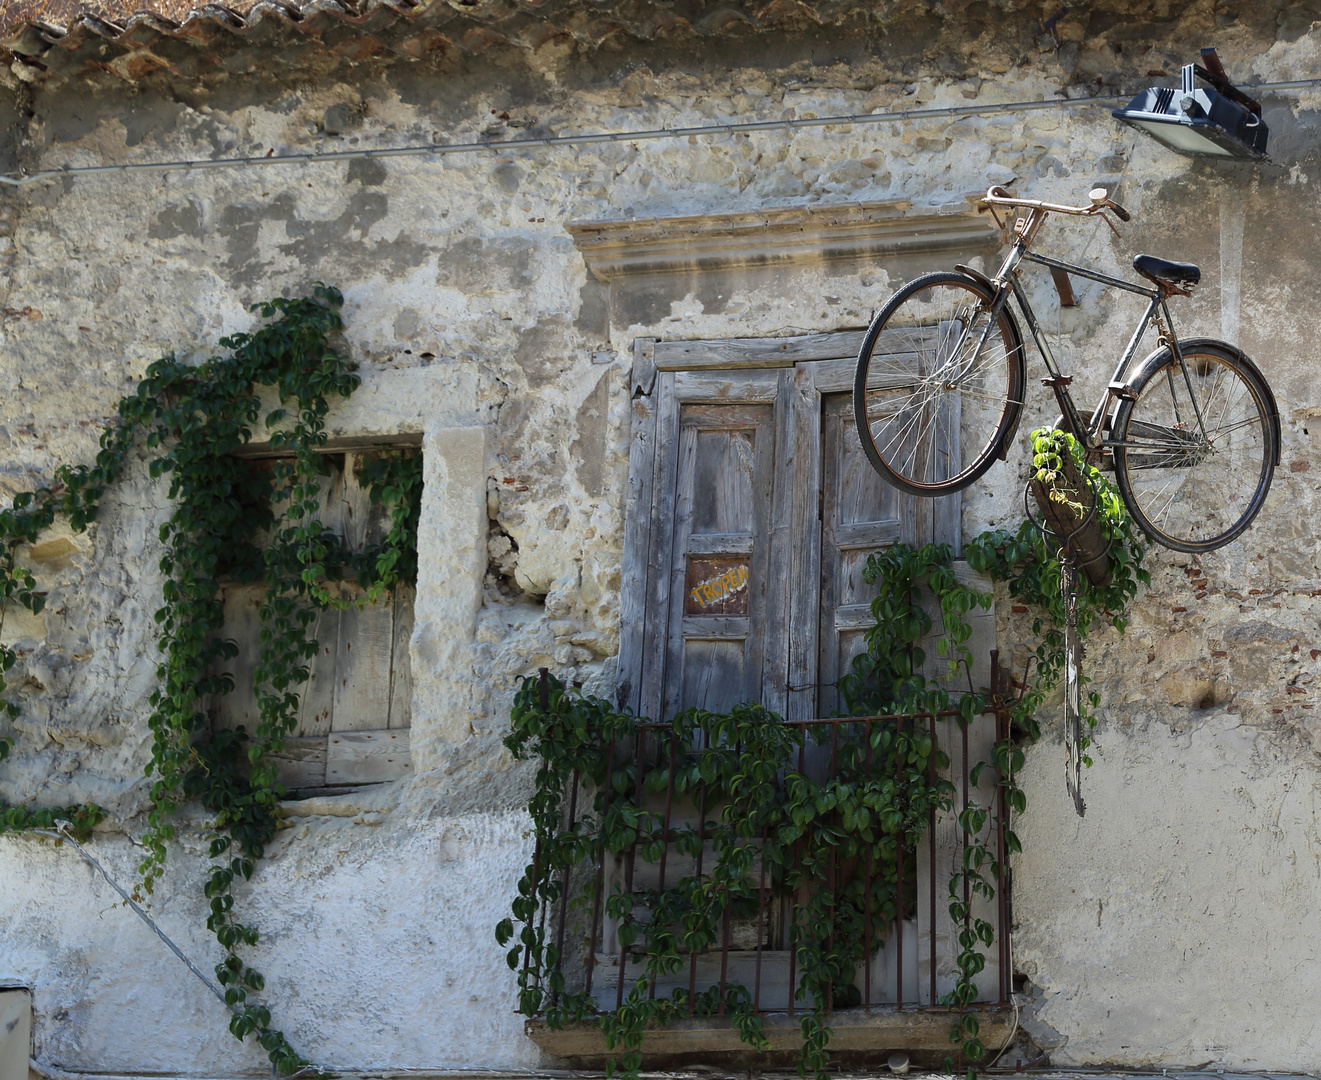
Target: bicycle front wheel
x=1195 y=449
x=939 y=384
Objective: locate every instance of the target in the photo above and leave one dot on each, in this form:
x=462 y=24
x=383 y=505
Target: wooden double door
x=751 y=514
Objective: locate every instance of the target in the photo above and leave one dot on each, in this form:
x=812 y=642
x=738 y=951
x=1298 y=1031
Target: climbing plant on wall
x=1028 y=563
x=228 y=522
x=848 y=830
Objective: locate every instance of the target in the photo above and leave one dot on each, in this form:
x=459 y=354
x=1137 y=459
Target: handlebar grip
x=1120 y=212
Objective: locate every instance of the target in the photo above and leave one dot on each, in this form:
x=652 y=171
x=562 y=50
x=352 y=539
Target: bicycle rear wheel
x=939 y=384
x=1195 y=485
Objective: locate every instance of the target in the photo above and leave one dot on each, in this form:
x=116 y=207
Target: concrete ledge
x=858 y=1036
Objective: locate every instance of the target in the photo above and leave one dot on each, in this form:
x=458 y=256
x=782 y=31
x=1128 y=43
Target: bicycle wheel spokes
x=1195 y=477
x=937 y=385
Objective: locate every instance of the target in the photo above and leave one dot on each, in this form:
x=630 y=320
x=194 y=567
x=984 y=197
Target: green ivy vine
x=229 y=522
x=754 y=811
x=1030 y=567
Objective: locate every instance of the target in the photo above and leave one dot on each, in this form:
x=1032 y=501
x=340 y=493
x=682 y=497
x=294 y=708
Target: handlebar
x=998 y=196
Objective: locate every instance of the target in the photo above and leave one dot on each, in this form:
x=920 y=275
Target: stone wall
x=1172 y=926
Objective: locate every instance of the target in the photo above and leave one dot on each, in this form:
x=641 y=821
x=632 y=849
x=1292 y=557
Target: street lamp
x=1221 y=121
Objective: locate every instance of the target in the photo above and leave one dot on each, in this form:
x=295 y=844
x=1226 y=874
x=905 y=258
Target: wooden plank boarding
x=756 y=352
x=660 y=547
x=765 y=464
x=355 y=507
x=639 y=515
x=777 y=598
x=302 y=762
x=317 y=702
x=367 y=757
x=805 y=559
x=360 y=679
x=362 y=666
x=401 y=662
x=364 y=523
x=243 y=626
x=678 y=684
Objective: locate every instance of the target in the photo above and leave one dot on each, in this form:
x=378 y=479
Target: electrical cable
x=63 y=835
x=55 y=1073
x=506 y=145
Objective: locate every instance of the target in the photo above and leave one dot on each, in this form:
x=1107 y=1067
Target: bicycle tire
x=1189 y=489
x=938 y=386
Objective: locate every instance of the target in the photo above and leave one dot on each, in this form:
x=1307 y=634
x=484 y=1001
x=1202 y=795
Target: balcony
x=719 y=885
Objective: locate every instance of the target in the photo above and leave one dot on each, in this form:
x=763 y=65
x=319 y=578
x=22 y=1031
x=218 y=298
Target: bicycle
x=1192 y=432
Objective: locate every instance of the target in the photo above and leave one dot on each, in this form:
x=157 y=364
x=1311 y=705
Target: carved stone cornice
x=779 y=236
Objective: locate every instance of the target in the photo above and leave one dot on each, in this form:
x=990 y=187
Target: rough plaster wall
x=1199 y=946
x=462 y=286
x=376 y=925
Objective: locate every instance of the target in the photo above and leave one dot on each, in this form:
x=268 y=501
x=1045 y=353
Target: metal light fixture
x=1221 y=121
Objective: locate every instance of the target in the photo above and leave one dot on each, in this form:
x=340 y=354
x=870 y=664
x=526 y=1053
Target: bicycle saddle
x=1185 y=274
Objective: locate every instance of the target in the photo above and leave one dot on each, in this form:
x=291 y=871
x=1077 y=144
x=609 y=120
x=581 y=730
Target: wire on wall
x=590 y=138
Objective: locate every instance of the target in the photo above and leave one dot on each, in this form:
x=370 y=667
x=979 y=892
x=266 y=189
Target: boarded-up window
x=355 y=709
x=750 y=516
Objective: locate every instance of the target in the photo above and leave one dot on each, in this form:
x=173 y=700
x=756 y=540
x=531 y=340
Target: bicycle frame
x=1176 y=408
x=1007 y=281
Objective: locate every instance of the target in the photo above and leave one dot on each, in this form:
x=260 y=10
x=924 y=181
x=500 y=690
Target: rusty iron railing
x=912 y=967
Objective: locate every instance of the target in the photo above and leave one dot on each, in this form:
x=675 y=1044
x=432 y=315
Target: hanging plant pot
x=1068 y=504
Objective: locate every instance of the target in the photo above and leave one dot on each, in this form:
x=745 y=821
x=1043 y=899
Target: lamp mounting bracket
x=1214 y=73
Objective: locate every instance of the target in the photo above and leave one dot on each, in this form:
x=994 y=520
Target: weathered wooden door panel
x=860 y=514
x=367 y=757
x=716 y=675
x=725 y=471
x=401 y=663
x=243 y=624
x=707 y=581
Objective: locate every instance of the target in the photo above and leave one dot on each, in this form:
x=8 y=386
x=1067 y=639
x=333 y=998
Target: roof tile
x=56 y=31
